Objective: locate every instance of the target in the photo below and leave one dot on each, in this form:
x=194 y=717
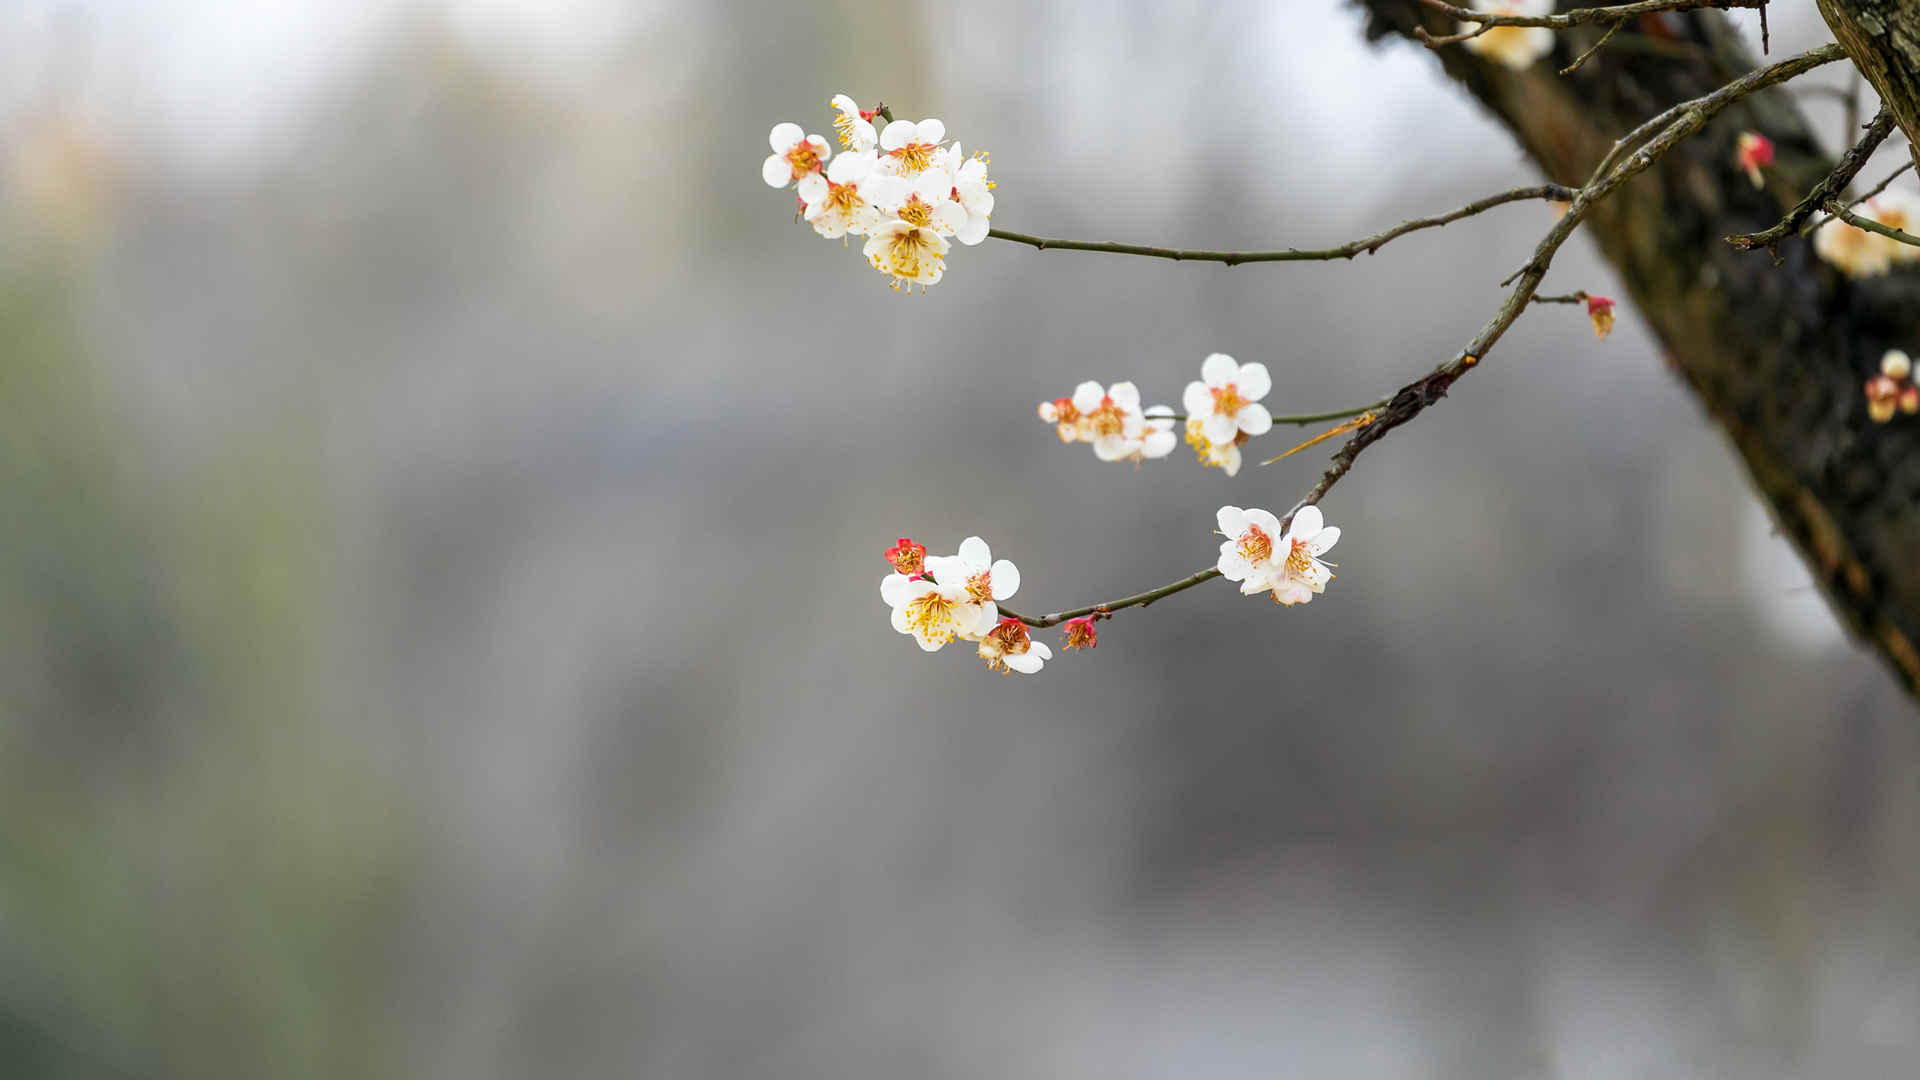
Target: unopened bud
x=1752 y=153
x=1896 y=364
x=1600 y=310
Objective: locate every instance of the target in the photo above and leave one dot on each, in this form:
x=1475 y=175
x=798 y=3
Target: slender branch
x=1297 y=418
x=1870 y=225
x=1571 y=298
x=1565 y=20
x=1830 y=185
x=1585 y=56
x=1136 y=600
x=1871 y=192
x=1367 y=245
x=1412 y=399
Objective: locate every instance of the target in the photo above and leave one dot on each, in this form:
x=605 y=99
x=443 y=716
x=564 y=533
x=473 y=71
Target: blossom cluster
x=901 y=185
x=1262 y=558
x=1892 y=390
x=1515 y=47
x=1859 y=253
x=940 y=599
x=1223 y=412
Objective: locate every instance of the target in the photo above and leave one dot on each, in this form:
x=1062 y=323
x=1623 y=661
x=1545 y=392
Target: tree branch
x=1870 y=225
x=1586 y=16
x=1367 y=245
x=1830 y=185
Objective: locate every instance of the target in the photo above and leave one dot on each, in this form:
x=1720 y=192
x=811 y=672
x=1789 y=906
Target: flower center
x=803 y=158
x=917 y=213
x=980 y=587
x=910 y=255
x=1256 y=546
x=843 y=198
x=1227 y=399
x=1011 y=637
x=931 y=616
x=914 y=157
x=1107 y=419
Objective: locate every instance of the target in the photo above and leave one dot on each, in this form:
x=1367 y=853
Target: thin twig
x=1487 y=20
x=1571 y=298
x=1367 y=245
x=1830 y=185
x=1417 y=395
x=1583 y=57
x=1870 y=225
x=1876 y=189
x=1297 y=418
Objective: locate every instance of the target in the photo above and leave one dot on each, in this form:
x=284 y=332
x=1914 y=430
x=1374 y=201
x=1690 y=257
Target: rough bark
x=1883 y=39
x=1778 y=354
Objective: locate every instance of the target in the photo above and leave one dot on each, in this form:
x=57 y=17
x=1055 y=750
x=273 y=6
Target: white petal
x=1111 y=448
x=1086 y=396
x=928 y=644
x=1158 y=444
x=1006 y=579
x=1253 y=585
x=1218 y=369
x=1219 y=429
x=900 y=620
x=1307 y=523
x=775 y=171
x=1266 y=521
x=930 y=131
x=1253 y=381
x=1197 y=399
x=1233 y=566
x=975 y=554
x=1324 y=540
x=896 y=135
x=1229 y=459
x=893 y=589
x=1041 y=650
x=947 y=569
x=1026 y=663
x=949 y=217
x=974 y=230
x=1254 y=419
x=1232 y=521
x=784 y=135
x=1126 y=395
x=849 y=168
x=813 y=188
x=987 y=617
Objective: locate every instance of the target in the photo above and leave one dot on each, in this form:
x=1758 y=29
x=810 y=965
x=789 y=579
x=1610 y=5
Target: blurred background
x=445 y=494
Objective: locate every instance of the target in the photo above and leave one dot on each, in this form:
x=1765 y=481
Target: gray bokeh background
x=445 y=495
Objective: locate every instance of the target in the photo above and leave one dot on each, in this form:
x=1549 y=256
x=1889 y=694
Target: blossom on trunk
x=1515 y=47
x=1753 y=152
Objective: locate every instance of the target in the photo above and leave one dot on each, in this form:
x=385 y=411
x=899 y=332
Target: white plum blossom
x=981 y=579
x=1516 y=47
x=847 y=206
x=1256 y=555
x=934 y=613
x=1226 y=399
x=973 y=191
x=1859 y=253
x=909 y=148
x=911 y=254
x=1009 y=648
x=1061 y=413
x=921 y=201
x=853 y=125
x=1223 y=456
x=797 y=158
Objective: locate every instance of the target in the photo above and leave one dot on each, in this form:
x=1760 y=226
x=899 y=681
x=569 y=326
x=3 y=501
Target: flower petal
x=1197 y=400
x=1232 y=521
x=1253 y=381
x=1229 y=457
x=894 y=589
x=1307 y=523
x=1323 y=540
x=1267 y=522
x=813 y=188
x=1127 y=396
x=775 y=171
x=1006 y=579
x=1158 y=444
x=784 y=135
x=1254 y=419
x=974 y=231
x=975 y=554
x=1218 y=369
x=930 y=131
x=900 y=620
x=1111 y=448
x=1086 y=396
x=1026 y=663
x=1232 y=565
x=1219 y=429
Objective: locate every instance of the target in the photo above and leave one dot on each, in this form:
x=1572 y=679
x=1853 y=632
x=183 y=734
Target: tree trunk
x=1778 y=354
x=1883 y=39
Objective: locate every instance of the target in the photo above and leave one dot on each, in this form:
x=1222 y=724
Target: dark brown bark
x=1778 y=354
x=1883 y=39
